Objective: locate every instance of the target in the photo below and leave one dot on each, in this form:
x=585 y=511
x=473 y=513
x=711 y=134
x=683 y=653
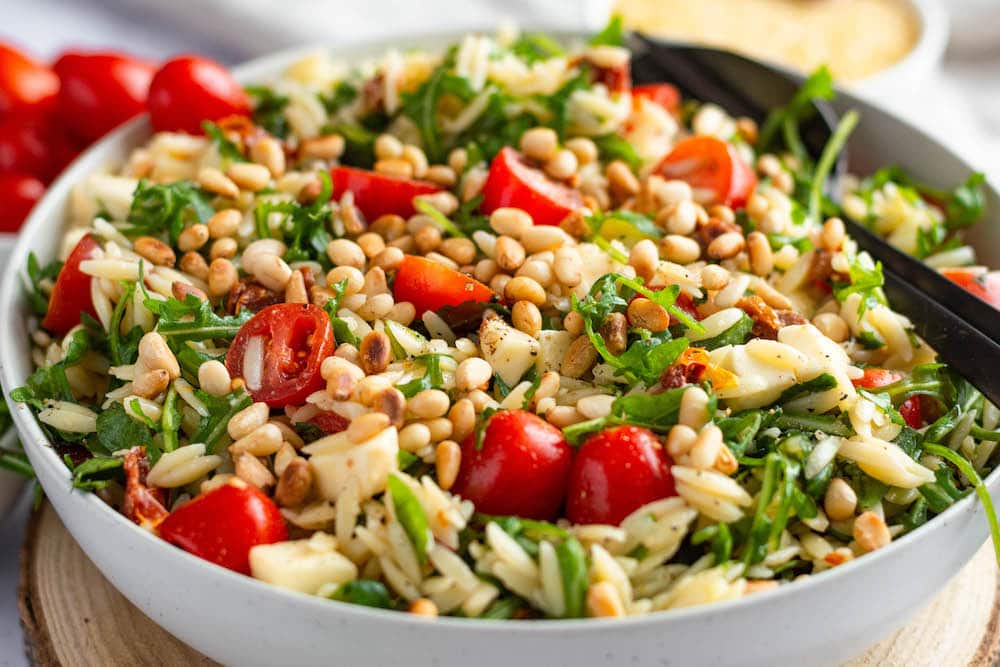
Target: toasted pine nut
x=262 y=441
x=249 y=468
x=584 y=149
x=367 y=426
x=509 y=253
x=568 y=266
x=473 y=373
x=225 y=248
x=680 y=440
x=646 y=314
x=681 y=218
x=154 y=353
x=448 y=458
x=214 y=378
x=833 y=234
x=442 y=175
x=193 y=237
x=463 y=419
x=573 y=323
x=248 y=420
x=344 y=252
x=355 y=279
x=268 y=152
x=224 y=223
x=539 y=143
x=295 y=483
x=726 y=245
x=512 y=222
x=295 y=289
x=705 y=450
x=593 y=407
x=870 y=531
x=151 y=383
x=424 y=607
x=389 y=259
x=714 y=277
x=761 y=256
x=579 y=357
x=194 y=264
x=521 y=288
x=614 y=331
x=427 y=239
x=326 y=147
x=414 y=437
x=155 y=251
x=621 y=179
x=562 y=165
x=216 y=182
x=840 y=500
x=644 y=258
x=396 y=167
x=376 y=352
x=222 y=277
x=543 y=237
x=680 y=249
x=181 y=290
x=272 y=272
x=726 y=462
x=249 y=176
x=462 y=251
x=428 y=404
x=417 y=159
x=526 y=317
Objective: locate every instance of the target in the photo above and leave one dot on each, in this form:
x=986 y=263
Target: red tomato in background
x=912 y=411
x=222 y=525
x=429 y=285
x=25 y=85
x=515 y=183
x=711 y=166
x=615 y=473
x=35 y=145
x=521 y=469
x=71 y=293
x=980 y=282
x=296 y=338
x=100 y=91
x=664 y=94
x=18 y=192
x=877 y=377
x=188 y=90
x=377 y=194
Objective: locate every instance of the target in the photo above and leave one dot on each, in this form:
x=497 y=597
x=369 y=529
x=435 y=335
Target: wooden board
x=73 y=616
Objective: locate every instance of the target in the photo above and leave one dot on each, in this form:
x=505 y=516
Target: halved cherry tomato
x=71 y=294
x=712 y=168
x=664 y=94
x=222 y=525
x=980 y=282
x=25 y=85
x=877 y=377
x=378 y=194
x=521 y=469
x=912 y=411
x=515 y=183
x=35 y=145
x=330 y=422
x=615 y=473
x=100 y=91
x=188 y=90
x=292 y=340
x=429 y=285
x=19 y=193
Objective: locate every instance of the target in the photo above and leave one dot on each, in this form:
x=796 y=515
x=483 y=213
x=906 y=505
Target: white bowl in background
x=234 y=619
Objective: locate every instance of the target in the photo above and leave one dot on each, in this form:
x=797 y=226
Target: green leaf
x=364 y=592
x=16 y=461
x=433 y=378
x=734 y=335
x=558 y=102
x=228 y=151
x=573 y=569
x=819 y=85
x=49 y=382
x=193 y=320
x=827 y=159
x=341 y=330
x=421 y=106
x=613 y=33
x=212 y=428
x=864 y=280
x=166 y=208
x=269 y=110
x=359 y=143
x=740 y=430
x=446 y=225
x=96 y=472
x=615 y=147
x=117 y=430
x=535 y=46
x=342 y=94
x=503 y=608
x=37 y=298
x=170 y=420
x=806 y=423
x=124 y=348
x=410 y=515
x=817 y=385
x=984 y=495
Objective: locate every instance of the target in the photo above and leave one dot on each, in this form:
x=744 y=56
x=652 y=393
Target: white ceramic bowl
x=237 y=620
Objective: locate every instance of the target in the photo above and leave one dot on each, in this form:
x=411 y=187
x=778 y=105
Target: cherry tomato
x=515 y=183
x=100 y=91
x=35 y=145
x=429 y=285
x=188 y=90
x=982 y=283
x=290 y=341
x=25 y=85
x=713 y=168
x=521 y=469
x=377 y=194
x=18 y=192
x=71 y=293
x=330 y=422
x=615 y=473
x=912 y=411
x=222 y=525
x=664 y=94
x=877 y=377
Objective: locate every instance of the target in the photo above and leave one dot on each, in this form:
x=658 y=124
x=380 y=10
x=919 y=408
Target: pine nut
x=154 y=251
x=714 y=277
x=568 y=266
x=539 y=143
x=458 y=159
x=870 y=531
x=593 y=407
x=225 y=248
x=341 y=375
x=680 y=440
x=646 y=314
x=222 y=277
x=181 y=290
x=367 y=426
x=404 y=313
x=622 y=181
x=389 y=259
x=840 y=500
x=761 y=257
x=509 y=253
x=521 y=288
x=424 y=607
x=694 y=408
x=726 y=462
x=512 y=222
x=722 y=212
x=614 y=331
x=224 y=223
x=644 y=258
x=389 y=226
x=681 y=218
x=473 y=373
x=726 y=245
x=193 y=237
x=584 y=149
x=272 y=272
x=832 y=326
x=268 y=152
x=388 y=147
x=768 y=164
x=463 y=419
x=391 y=402
x=326 y=147
x=579 y=358
x=538 y=270
x=248 y=420
x=414 y=437
x=428 y=404
x=774 y=221
x=249 y=176
x=543 y=237
x=563 y=416
x=459 y=250
x=680 y=249
x=295 y=483
x=154 y=353
x=448 y=458
x=295 y=289
x=395 y=167
x=441 y=175
x=445 y=202
x=417 y=159
x=833 y=234
x=757 y=206
x=216 y=182
x=603 y=601
x=526 y=317
x=427 y=238
x=355 y=279
x=262 y=441
x=151 y=383
x=213 y=377
x=249 y=468
x=573 y=323
x=344 y=252
x=194 y=264
x=562 y=165
x=705 y=450
x=376 y=352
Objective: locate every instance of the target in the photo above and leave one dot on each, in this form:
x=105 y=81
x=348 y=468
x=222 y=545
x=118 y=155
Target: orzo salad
x=490 y=333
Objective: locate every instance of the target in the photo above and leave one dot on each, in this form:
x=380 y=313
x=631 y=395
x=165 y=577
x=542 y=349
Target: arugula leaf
x=864 y=280
x=405 y=459
x=421 y=106
x=535 y=46
x=193 y=320
x=116 y=430
x=342 y=94
x=359 y=143
x=166 y=207
x=364 y=592
x=870 y=340
x=884 y=403
x=269 y=110
x=808 y=422
x=558 y=102
x=819 y=86
x=96 y=472
x=657 y=412
x=573 y=569
x=124 y=348
x=965 y=204
x=38 y=299
x=740 y=430
x=623 y=224
x=613 y=34
x=433 y=377
x=615 y=147
x=447 y=226
x=49 y=382
x=410 y=515
x=817 y=385
x=212 y=428
x=503 y=608
x=170 y=420
x=721 y=539
x=647 y=358
x=341 y=330
x=227 y=149
x=734 y=335
x=468 y=219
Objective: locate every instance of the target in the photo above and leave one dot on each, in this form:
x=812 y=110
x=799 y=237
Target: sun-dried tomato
x=141 y=504
x=250 y=294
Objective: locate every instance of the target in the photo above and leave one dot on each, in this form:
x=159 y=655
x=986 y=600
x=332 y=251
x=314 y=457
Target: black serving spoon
x=962 y=328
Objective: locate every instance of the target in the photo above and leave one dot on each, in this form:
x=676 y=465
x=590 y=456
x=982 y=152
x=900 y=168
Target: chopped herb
x=734 y=335
x=342 y=331
x=864 y=280
x=227 y=149
x=166 y=208
x=212 y=428
x=421 y=106
x=573 y=568
x=817 y=385
x=364 y=592
x=411 y=515
x=615 y=147
x=342 y=94
x=96 y=472
x=433 y=377
x=117 y=430
x=535 y=46
x=613 y=33
x=269 y=110
x=38 y=299
x=49 y=382
x=193 y=320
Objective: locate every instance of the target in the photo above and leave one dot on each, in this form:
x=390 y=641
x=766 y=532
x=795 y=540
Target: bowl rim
x=268 y=67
